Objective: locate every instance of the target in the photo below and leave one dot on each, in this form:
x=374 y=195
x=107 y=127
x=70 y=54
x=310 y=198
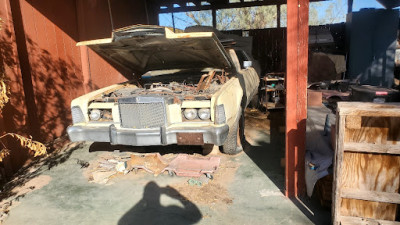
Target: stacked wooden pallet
x=367 y=164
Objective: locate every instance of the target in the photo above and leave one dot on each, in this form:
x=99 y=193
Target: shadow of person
x=149 y=210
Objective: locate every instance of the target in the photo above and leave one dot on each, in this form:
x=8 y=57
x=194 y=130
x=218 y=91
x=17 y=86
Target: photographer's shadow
x=149 y=210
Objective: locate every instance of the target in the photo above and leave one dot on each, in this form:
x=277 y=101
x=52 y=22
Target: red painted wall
x=54 y=70
x=94 y=22
x=54 y=61
x=13 y=117
x=46 y=70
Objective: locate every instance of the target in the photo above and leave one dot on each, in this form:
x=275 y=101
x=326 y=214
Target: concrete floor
x=251 y=186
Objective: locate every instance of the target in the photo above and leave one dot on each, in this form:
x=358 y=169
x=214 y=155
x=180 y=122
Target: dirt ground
x=245 y=189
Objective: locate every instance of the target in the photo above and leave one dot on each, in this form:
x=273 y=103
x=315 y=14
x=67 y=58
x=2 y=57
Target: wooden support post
x=214 y=18
x=349 y=6
x=296 y=95
x=278 y=16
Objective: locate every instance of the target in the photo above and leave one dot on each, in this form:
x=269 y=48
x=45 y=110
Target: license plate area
x=190 y=139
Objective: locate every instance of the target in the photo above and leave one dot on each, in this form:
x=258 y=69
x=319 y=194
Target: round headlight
x=95 y=114
x=204 y=114
x=190 y=114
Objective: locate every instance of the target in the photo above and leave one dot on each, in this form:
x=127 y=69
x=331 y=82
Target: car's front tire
x=234 y=141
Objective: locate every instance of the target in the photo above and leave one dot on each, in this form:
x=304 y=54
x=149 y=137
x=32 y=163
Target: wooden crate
x=367 y=164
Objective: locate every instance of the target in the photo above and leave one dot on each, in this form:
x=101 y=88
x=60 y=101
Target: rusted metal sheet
x=296 y=95
x=205 y=81
x=189 y=139
x=151 y=162
x=192 y=166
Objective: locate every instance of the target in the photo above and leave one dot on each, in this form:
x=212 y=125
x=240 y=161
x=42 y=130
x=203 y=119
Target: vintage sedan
x=187 y=89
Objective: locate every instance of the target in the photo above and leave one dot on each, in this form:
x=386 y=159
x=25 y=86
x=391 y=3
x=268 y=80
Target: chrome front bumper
x=144 y=137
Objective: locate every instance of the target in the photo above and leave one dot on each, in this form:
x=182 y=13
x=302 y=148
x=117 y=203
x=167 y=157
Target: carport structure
x=47 y=70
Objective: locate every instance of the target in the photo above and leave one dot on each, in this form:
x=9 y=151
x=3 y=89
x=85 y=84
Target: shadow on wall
x=150 y=211
x=40 y=92
x=54 y=83
x=14 y=112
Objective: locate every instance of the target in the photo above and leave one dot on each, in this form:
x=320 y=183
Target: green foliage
x=263 y=16
x=247 y=18
x=234 y=19
x=321 y=13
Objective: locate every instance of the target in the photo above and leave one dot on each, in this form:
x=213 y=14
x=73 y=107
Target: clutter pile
x=112 y=165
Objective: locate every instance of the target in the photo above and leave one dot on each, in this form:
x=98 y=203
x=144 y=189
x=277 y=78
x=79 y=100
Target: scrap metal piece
x=205 y=81
x=192 y=166
x=209 y=79
x=200 y=85
x=151 y=162
x=102 y=177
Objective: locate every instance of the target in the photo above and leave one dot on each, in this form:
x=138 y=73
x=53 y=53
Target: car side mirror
x=247 y=64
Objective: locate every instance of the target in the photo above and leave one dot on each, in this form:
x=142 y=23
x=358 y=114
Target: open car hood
x=143 y=48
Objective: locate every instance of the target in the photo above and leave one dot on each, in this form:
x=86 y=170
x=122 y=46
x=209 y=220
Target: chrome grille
x=142 y=115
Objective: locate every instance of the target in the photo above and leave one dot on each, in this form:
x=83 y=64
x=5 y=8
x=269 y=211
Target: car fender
x=230 y=95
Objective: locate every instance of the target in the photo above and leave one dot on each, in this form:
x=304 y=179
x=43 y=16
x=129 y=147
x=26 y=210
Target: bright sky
x=358 y=4
x=180 y=18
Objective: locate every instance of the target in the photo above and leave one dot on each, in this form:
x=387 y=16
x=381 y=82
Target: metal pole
x=111 y=18
x=278 y=16
x=173 y=21
x=214 y=18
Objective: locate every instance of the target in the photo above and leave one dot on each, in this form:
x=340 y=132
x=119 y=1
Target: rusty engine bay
x=183 y=88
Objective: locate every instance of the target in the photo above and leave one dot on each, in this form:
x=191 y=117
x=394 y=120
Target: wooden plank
x=351 y=220
x=374 y=196
x=369 y=172
x=353 y=122
x=375 y=130
x=337 y=173
x=372 y=148
x=367 y=177
x=369 y=109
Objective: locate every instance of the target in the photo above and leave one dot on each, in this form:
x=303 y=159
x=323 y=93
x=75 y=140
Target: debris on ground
x=101 y=170
x=199 y=182
x=270 y=193
x=121 y=167
x=151 y=162
x=102 y=177
x=192 y=166
x=205 y=194
x=257 y=119
x=82 y=163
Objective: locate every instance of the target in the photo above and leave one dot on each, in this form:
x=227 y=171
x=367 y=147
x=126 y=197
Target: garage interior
x=306 y=130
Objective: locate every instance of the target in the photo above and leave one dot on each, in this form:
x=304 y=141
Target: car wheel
x=235 y=139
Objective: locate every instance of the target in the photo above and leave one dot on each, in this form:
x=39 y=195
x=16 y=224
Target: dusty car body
x=190 y=91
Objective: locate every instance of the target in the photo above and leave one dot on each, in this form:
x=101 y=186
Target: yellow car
x=188 y=90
